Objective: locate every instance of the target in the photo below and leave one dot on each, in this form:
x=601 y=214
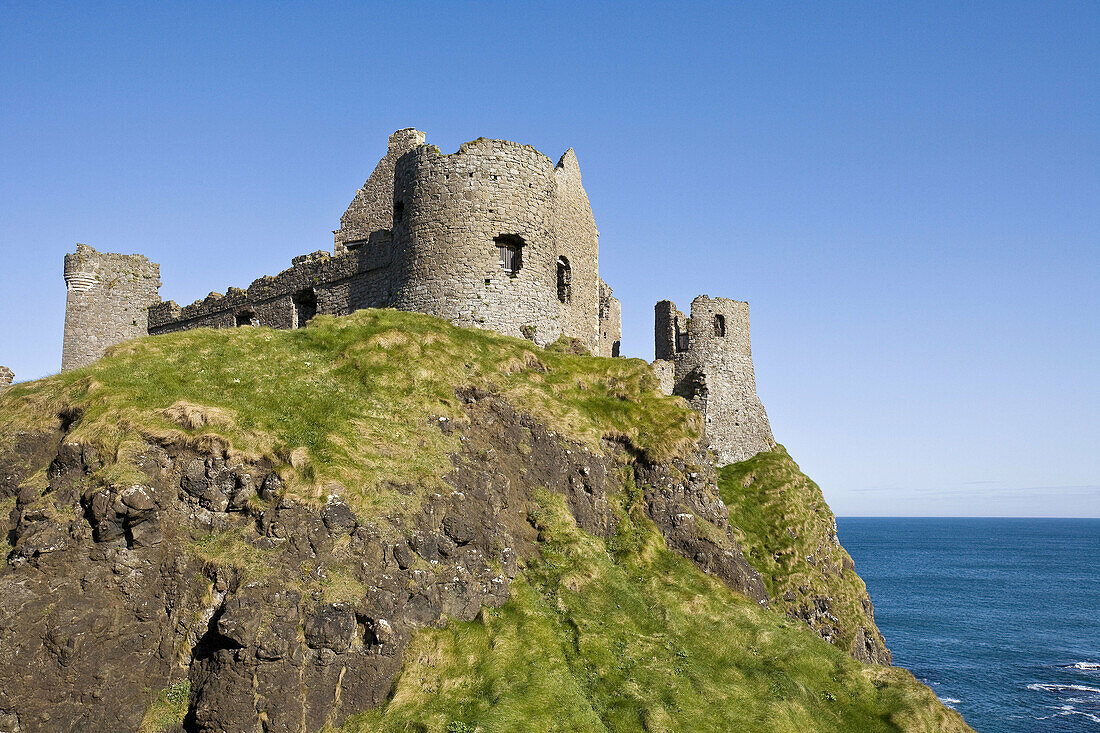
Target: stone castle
x=493 y=236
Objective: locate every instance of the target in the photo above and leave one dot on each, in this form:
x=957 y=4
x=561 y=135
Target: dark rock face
x=285 y=617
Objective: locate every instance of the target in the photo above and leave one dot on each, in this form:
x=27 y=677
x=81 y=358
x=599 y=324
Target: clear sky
x=908 y=194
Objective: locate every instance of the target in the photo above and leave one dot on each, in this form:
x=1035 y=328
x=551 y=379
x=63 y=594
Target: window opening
x=681 y=337
x=719 y=325
x=305 y=306
x=565 y=280
x=398 y=211
x=510 y=249
x=247 y=318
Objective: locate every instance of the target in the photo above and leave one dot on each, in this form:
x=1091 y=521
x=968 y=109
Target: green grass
x=348 y=405
x=788 y=533
x=167 y=709
x=638 y=640
x=233 y=548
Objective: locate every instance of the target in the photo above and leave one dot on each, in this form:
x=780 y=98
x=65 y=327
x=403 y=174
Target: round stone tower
x=108 y=302
x=475 y=238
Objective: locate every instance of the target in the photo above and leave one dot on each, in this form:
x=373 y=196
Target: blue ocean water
x=1001 y=617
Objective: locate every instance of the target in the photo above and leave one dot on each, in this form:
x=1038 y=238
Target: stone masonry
x=6 y=378
x=108 y=302
x=707 y=360
x=493 y=236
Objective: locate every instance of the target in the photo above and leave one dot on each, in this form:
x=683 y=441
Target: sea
x=1001 y=617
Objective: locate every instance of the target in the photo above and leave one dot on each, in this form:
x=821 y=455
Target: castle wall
x=611 y=322
x=455 y=207
x=578 y=243
x=7 y=376
x=107 y=302
x=336 y=286
x=424 y=234
x=713 y=371
x=371 y=210
x=670 y=329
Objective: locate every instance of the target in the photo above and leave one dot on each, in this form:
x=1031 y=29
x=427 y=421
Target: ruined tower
x=495 y=235
x=107 y=303
x=6 y=378
x=707 y=360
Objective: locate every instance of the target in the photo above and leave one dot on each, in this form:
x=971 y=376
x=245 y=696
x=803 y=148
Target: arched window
x=247 y=318
x=510 y=249
x=719 y=325
x=565 y=280
x=305 y=306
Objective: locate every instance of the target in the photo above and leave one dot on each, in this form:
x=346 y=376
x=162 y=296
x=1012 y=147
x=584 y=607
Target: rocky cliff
x=384 y=522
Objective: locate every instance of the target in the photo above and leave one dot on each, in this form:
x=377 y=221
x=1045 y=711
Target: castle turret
x=108 y=300
x=475 y=237
x=6 y=378
x=707 y=360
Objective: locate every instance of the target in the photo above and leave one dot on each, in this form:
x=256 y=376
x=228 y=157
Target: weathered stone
x=331 y=627
x=338 y=518
x=425 y=233
x=707 y=360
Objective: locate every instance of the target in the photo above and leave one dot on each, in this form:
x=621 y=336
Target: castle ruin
x=493 y=236
x=707 y=360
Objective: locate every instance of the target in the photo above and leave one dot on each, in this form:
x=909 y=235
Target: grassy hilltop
x=398 y=420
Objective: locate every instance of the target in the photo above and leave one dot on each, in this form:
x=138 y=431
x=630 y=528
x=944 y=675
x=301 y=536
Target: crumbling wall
x=371 y=210
x=578 y=261
x=107 y=302
x=316 y=283
x=424 y=234
x=712 y=369
x=611 y=322
x=7 y=376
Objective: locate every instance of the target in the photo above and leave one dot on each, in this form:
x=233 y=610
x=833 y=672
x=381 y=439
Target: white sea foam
x=1086 y=666
x=1049 y=687
x=1064 y=710
x=950 y=700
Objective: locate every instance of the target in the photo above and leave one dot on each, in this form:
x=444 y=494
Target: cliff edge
x=385 y=522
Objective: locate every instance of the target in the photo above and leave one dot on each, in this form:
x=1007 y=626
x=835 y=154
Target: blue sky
x=908 y=194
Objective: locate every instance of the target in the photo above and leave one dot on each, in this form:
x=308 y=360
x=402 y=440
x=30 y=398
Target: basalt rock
x=286 y=616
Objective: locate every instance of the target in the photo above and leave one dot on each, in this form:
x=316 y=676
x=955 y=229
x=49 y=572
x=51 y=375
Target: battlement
x=707 y=360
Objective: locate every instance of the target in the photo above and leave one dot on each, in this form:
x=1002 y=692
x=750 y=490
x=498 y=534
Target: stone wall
x=578 y=265
x=316 y=283
x=711 y=367
x=371 y=210
x=422 y=234
x=611 y=322
x=107 y=302
x=457 y=211
x=7 y=376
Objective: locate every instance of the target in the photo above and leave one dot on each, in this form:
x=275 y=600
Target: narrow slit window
x=510 y=250
x=565 y=280
x=398 y=211
x=719 y=325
